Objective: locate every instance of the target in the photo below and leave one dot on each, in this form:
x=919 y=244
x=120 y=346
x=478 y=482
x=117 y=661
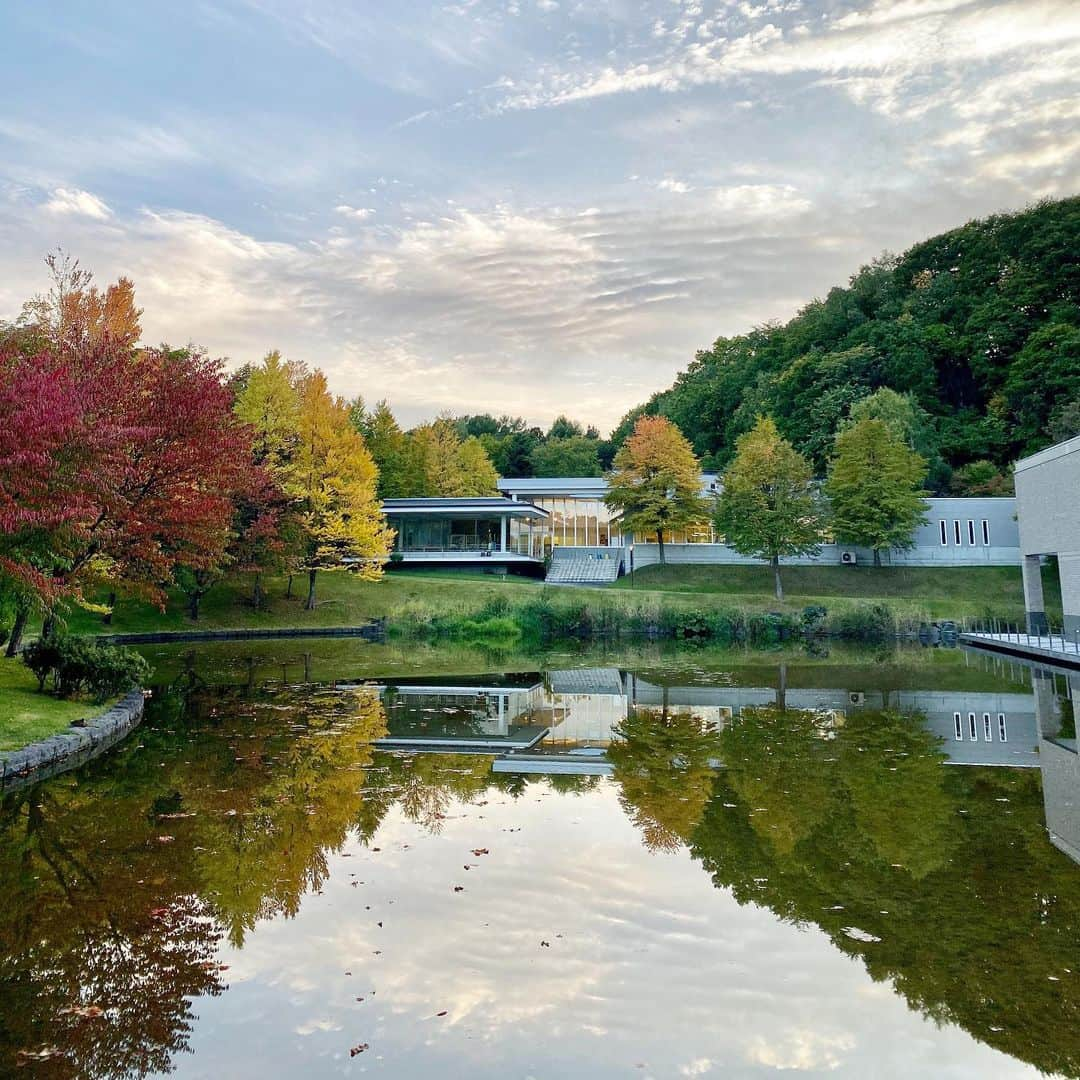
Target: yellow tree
x=477 y=474
x=270 y=405
x=335 y=485
x=655 y=482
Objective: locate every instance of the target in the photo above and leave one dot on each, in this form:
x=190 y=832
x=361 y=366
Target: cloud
x=356 y=213
x=676 y=187
x=79 y=203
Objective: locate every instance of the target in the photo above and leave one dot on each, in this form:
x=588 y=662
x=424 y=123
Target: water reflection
x=130 y=890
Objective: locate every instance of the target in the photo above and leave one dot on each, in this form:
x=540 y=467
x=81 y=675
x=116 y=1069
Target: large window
x=944 y=533
x=986 y=532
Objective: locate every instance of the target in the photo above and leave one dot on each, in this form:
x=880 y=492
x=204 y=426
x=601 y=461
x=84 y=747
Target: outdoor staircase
x=583 y=568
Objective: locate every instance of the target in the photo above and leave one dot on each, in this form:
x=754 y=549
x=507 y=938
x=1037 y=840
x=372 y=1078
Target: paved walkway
x=1052 y=647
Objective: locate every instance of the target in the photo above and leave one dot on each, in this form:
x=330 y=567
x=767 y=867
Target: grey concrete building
x=1048 y=509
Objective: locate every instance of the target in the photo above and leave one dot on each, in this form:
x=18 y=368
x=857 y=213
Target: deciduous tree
x=655 y=483
x=769 y=506
x=873 y=488
x=336 y=489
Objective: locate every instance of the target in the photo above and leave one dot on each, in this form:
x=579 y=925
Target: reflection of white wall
x=585 y=718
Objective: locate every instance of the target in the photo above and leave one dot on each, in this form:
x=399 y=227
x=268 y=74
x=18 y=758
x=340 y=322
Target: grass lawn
x=26 y=715
x=946 y=592
x=343 y=600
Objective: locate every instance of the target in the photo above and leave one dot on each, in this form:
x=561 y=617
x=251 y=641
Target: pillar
x=1034 y=604
x=502 y=534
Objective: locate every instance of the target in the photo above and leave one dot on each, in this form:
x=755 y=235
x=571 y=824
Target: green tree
x=873 y=488
x=440 y=465
x=655 y=482
x=910 y=422
x=388 y=445
x=769 y=506
x=578 y=455
x=1046 y=371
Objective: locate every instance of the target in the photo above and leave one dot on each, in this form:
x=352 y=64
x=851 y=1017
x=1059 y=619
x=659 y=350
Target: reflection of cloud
x=803 y=1050
x=738 y=985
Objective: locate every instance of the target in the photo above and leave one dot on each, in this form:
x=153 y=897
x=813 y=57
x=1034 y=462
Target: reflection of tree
x=86 y=926
x=661 y=762
x=426 y=786
x=290 y=795
x=955 y=897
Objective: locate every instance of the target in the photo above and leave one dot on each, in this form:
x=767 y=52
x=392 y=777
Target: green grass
x=26 y=715
x=953 y=592
x=410 y=597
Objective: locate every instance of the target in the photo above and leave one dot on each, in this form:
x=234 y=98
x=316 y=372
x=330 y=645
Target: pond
x=338 y=858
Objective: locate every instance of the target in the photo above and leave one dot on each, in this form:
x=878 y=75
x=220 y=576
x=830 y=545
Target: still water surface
x=358 y=861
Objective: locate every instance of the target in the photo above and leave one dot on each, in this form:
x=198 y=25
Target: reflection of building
x=566 y=719
x=1048 y=507
x=1056 y=696
x=486 y=713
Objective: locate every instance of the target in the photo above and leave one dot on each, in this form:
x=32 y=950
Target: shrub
x=42 y=657
x=80 y=665
x=868 y=623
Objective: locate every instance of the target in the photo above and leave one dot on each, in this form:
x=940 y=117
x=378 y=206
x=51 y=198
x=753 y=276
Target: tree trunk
x=48 y=626
x=777 y=583
x=257 y=593
x=288 y=591
x=310 y=605
x=194 y=600
x=877 y=557
x=22 y=613
x=107 y=617
x=660 y=543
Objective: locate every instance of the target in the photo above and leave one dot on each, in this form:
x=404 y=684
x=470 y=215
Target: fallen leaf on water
x=459 y=888
x=44 y=1054
x=546 y=944
x=358 y=1049
x=480 y=851
x=443 y=1013
x=87 y=1012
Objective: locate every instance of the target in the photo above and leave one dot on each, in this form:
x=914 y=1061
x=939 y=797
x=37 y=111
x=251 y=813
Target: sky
x=516 y=206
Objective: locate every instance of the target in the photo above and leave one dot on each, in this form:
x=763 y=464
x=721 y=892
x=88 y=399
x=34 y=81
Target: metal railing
x=1041 y=639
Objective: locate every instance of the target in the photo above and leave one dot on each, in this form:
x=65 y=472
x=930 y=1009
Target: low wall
x=720 y=555
x=371 y=631
x=68 y=749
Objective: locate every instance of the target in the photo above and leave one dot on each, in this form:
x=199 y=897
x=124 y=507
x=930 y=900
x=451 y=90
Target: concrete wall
x=999 y=515
x=1048 y=505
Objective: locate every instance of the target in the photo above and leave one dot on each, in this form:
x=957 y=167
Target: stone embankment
x=82 y=741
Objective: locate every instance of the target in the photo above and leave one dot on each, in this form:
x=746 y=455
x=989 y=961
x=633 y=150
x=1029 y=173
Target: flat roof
x=493 y=505
x=1051 y=453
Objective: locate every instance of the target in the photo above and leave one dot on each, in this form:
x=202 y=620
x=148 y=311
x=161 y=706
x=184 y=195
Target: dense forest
x=980 y=326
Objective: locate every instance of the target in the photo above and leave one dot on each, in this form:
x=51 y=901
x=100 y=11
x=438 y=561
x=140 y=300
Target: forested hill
x=981 y=325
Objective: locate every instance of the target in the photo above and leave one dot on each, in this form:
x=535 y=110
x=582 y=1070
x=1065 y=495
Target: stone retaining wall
x=76 y=745
x=371 y=631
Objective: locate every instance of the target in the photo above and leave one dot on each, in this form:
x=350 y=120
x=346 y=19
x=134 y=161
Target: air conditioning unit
x=856 y=697
x=848 y=558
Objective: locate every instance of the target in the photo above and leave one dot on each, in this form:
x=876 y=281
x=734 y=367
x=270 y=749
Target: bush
x=869 y=623
x=42 y=657
x=82 y=666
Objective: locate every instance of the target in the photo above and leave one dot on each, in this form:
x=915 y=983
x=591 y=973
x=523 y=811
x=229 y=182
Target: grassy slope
x=963 y=590
x=344 y=600
x=26 y=715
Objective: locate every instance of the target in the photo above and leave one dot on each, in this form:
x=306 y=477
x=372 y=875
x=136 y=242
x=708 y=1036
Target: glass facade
x=577 y=522
x=445 y=534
